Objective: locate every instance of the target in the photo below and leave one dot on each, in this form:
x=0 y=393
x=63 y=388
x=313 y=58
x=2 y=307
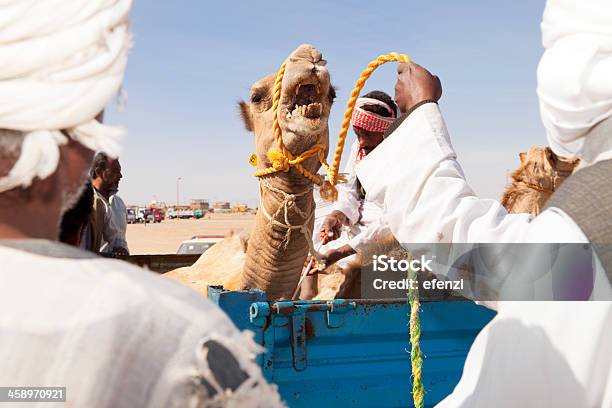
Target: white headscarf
x=61 y=61
x=575 y=72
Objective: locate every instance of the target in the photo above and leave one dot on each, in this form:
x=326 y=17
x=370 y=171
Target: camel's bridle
x=282 y=159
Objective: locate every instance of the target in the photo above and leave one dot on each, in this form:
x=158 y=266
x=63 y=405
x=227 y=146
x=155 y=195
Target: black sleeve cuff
x=403 y=117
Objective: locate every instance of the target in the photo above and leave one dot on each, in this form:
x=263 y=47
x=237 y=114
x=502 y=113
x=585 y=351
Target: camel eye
x=256 y=98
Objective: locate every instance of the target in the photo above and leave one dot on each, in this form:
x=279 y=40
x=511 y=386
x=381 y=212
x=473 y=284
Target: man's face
x=111 y=175
x=368 y=140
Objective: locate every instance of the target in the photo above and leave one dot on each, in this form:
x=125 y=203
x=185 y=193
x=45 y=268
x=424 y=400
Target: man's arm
x=367 y=235
x=415 y=176
x=373 y=232
x=345 y=211
x=349 y=201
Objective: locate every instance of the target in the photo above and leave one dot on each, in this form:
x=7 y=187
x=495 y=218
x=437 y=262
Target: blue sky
x=193 y=60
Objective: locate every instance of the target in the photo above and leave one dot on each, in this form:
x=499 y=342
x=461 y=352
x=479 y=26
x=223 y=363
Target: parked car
x=131 y=216
x=158 y=216
x=198 y=244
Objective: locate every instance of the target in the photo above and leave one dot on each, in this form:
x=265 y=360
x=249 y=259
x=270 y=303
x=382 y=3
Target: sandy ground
x=165 y=237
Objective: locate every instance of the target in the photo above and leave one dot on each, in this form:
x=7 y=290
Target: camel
x=271 y=258
x=539 y=175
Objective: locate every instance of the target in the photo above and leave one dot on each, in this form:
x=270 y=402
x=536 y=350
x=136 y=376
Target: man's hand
x=332 y=225
x=415 y=84
x=334 y=255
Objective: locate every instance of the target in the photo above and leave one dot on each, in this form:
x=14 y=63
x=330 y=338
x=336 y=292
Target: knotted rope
x=346 y=122
x=289 y=202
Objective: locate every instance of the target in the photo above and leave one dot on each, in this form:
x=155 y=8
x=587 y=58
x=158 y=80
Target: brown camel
x=539 y=175
x=272 y=257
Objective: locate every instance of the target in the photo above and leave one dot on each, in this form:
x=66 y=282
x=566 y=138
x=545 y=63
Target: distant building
x=222 y=205
x=200 y=204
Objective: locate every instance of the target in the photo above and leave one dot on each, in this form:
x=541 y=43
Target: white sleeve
x=369 y=234
x=111 y=233
x=413 y=174
x=348 y=196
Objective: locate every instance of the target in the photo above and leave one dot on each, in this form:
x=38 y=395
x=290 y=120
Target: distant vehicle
x=141 y=215
x=198 y=214
x=184 y=213
x=131 y=216
x=198 y=244
x=153 y=215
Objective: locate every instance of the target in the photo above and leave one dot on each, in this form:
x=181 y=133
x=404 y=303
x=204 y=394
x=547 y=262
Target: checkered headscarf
x=370 y=121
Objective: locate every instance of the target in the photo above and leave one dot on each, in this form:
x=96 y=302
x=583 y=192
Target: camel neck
x=274 y=262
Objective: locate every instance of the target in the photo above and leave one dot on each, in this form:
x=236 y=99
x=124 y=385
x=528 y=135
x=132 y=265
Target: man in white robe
x=343 y=228
x=105 y=175
x=532 y=354
x=353 y=221
x=112 y=334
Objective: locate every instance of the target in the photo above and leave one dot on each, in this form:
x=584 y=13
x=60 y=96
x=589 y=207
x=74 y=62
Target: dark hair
x=77 y=216
x=379 y=110
x=99 y=164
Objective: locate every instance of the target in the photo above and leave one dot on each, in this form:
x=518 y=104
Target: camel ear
x=522 y=156
x=332 y=94
x=245 y=113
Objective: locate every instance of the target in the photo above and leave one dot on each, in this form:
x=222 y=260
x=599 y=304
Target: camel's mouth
x=305 y=107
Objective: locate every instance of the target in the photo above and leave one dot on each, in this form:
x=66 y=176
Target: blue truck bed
x=354 y=353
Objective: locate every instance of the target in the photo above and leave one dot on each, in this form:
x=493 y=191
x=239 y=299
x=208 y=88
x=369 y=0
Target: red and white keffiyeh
x=370 y=121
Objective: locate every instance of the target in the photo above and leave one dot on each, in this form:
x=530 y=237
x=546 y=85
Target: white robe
x=118 y=213
x=366 y=223
x=113 y=334
x=112 y=234
x=532 y=354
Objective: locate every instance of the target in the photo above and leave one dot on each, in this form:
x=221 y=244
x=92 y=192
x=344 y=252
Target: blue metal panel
x=356 y=352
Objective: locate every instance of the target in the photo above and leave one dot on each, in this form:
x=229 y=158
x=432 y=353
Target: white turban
x=61 y=61
x=575 y=72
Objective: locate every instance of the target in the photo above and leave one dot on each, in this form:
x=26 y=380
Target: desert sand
x=165 y=237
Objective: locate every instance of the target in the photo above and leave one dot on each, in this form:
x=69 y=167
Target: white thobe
x=366 y=223
x=112 y=235
x=532 y=354
x=113 y=334
x=118 y=213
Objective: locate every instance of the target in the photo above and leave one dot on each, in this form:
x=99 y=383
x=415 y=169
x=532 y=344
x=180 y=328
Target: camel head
x=542 y=168
x=303 y=111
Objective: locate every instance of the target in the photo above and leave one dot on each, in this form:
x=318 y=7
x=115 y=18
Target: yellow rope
x=393 y=56
x=283 y=160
